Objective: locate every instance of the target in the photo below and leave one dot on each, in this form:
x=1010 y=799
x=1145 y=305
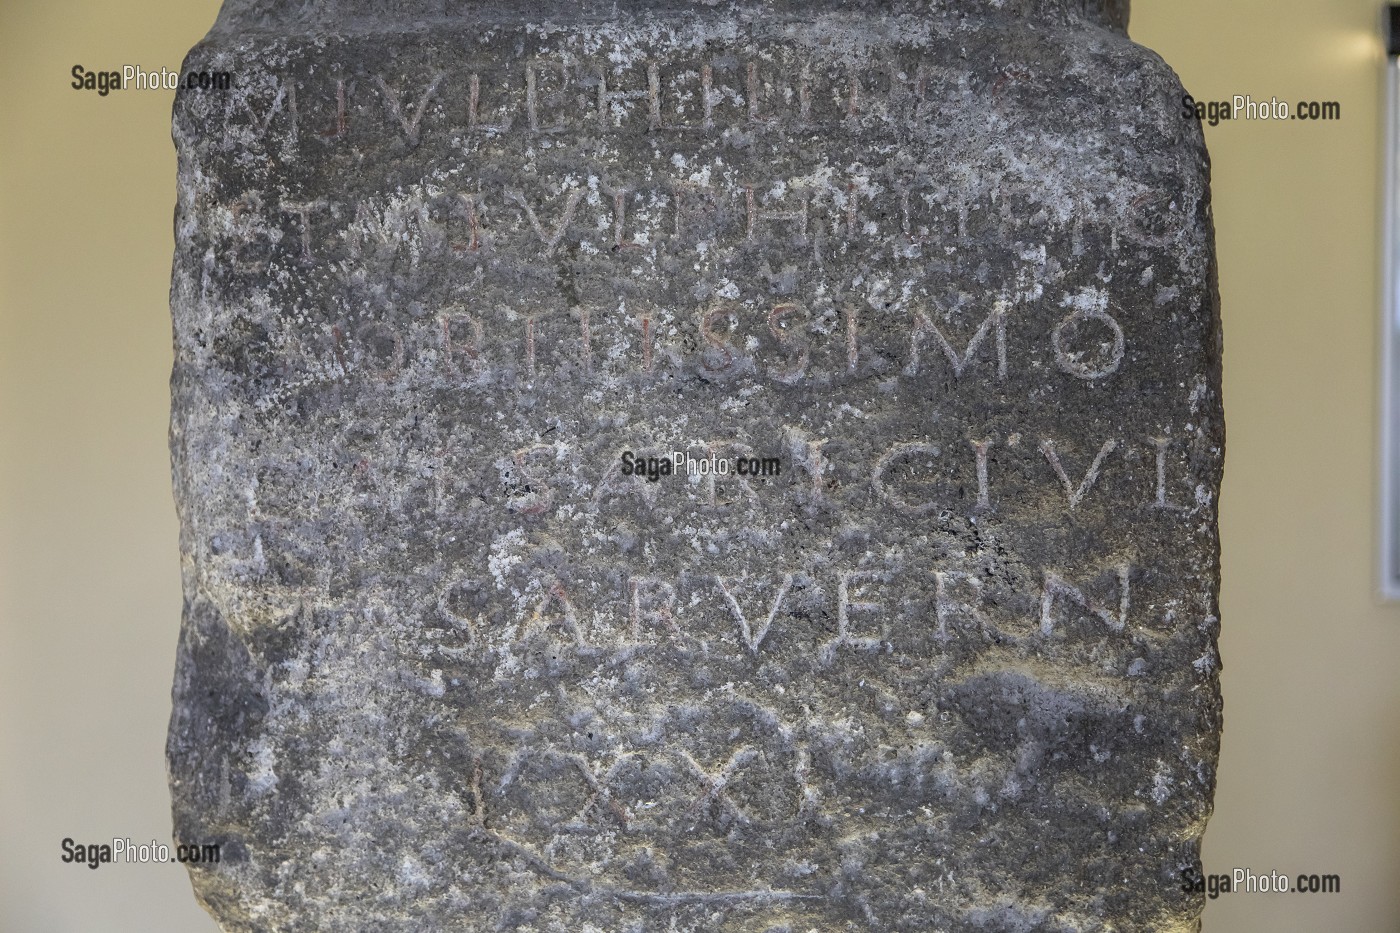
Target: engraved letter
x=994 y=322
x=447 y=601
x=286 y=96
x=751 y=637
x=474 y=111
x=758 y=215
x=552 y=238
x=984 y=492
x=470 y=204
x=731 y=363
x=1056 y=585
x=1073 y=362
x=532 y=95
x=807 y=454
x=852 y=339
x=794 y=343
x=946 y=607
x=1162 y=443
x=1076 y=496
x=303 y=211
x=473 y=349
x=539 y=496
x=883 y=465
x=408 y=122
x=537 y=621
x=616 y=101
x=646 y=591
x=844 y=608
x=341 y=122
x=382 y=340
x=754 y=86
x=620 y=239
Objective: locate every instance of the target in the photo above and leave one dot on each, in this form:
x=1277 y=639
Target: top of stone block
x=300 y=17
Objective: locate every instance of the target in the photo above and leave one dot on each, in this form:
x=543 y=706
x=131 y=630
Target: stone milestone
x=679 y=466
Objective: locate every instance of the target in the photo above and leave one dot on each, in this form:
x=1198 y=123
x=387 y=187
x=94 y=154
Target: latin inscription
x=698 y=452
x=565 y=94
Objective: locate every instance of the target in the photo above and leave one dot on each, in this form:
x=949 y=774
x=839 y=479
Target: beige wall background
x=89 y=572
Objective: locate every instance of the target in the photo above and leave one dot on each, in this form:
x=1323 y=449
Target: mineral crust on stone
x=694 y=466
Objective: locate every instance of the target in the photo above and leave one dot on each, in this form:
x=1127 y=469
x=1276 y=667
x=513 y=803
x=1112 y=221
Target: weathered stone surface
x=942 y=273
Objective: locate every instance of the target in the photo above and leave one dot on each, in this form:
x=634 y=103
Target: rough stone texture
x=445 y=667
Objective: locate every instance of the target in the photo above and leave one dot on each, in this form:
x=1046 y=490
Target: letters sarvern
x=870 y=608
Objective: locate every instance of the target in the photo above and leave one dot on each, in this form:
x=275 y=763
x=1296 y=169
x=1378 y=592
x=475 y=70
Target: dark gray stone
x=941 y=273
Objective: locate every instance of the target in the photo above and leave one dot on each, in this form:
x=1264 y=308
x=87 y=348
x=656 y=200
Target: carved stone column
x=694 y=466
